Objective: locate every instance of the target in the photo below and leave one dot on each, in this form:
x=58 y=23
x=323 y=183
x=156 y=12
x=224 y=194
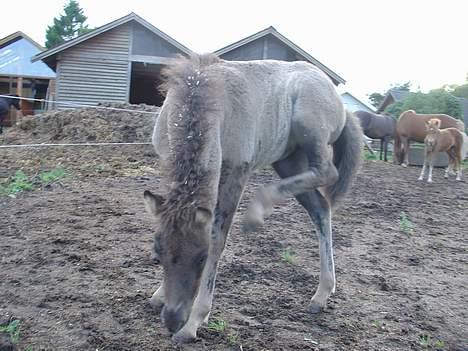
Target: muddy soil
x=76 y=268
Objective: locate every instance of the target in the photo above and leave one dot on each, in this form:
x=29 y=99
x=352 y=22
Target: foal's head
x=181 y=242
x=433 y=130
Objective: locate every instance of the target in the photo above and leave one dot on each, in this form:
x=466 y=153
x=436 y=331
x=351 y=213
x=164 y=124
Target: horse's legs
x=405 y=151
x=457 y=160
x=381 y=149
x=229 y=194
x=386 y=141
x=451 y=162
x=423 y=170
x=319 y=211
x=431 y=166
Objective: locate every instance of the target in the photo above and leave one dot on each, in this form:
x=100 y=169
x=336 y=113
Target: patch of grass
x=48 y=177
x=439 y=345
x=18 y=183
x=424 y=341
x=21 y=182
x=368 y=156
x=218 y=325
x=288 y=256
x=12 y=328
x=405 y=224
x=233 y=339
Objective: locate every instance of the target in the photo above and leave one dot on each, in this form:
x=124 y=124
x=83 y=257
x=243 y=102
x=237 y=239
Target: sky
x=371 y=44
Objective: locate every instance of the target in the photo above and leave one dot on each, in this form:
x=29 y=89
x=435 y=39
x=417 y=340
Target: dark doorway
x=144 y=84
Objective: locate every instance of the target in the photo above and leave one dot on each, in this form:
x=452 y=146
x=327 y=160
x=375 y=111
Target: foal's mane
x=192 y=90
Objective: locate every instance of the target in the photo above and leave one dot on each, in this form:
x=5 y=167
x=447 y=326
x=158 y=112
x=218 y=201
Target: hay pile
x=85 y=125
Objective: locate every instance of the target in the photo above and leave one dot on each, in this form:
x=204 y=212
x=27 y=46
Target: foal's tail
x=347 y=158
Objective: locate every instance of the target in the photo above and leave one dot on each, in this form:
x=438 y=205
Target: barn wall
x=96 y=70
x=250 y=51
x=145 y=42
x=267 y=47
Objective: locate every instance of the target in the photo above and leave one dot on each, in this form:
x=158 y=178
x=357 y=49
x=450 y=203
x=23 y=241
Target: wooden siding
x=146 y=43
x=267 y=47
x=96 y=70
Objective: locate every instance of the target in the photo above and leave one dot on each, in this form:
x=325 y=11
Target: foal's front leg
x=229 y=195
x=423 y=170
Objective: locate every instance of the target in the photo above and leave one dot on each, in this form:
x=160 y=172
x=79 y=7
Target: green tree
x=377 y=98
x=67 y=26
x=436 y=101
x=461 y=91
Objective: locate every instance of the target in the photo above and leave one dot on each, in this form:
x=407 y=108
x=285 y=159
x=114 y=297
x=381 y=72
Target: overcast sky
x=371 y=44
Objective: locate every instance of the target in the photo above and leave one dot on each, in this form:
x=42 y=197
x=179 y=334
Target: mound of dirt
x=109 y=122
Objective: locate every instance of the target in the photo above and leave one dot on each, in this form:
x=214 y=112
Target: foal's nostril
x=173 y=320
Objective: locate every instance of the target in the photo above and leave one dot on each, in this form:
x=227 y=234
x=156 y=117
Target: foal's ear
x=153 y=202
x=203 y=216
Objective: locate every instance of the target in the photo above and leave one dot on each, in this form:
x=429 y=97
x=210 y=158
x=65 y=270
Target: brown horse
x=412 y=126
x=449 y=140
x=379 y=127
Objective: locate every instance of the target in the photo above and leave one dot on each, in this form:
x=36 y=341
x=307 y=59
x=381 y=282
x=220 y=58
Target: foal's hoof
x=182 y=337
x=404 y=165
x=156 y=303
x=315 y=308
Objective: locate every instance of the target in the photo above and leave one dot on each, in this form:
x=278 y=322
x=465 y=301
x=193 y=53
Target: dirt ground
x=76 y=268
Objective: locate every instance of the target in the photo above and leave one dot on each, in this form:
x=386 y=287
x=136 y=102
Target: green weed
x=424 y=341
x=12 y=328
x=405 y=224
x=288 y=256
x=218 y=325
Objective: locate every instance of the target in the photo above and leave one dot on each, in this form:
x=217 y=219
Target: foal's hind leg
x=230 y=192
x=319 y=211
x=320 y=172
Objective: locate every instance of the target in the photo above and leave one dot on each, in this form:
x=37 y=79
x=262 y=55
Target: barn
x=18 y=75
x=122 y=60
x=271 y=44
x=118 y=62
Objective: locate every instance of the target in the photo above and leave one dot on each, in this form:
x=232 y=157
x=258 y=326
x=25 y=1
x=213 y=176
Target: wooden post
x=19 y=92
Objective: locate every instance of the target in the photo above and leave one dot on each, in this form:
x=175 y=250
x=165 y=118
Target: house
x=270 y=44
x=393 y=95
x=118 y=62
x=18 y=75
x=354 y=104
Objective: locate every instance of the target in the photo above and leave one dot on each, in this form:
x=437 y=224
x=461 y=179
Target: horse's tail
x=460 y=125
x=347 y=158
x=464 y=149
